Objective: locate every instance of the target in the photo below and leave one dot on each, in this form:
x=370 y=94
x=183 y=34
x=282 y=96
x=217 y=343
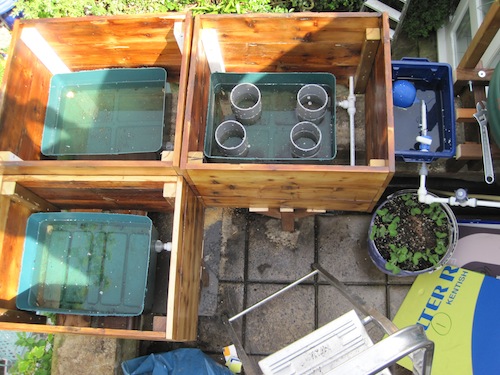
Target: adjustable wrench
x=482 y=120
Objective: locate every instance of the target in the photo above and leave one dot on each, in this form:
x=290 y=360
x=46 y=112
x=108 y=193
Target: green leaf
x=434 y=259
x=402 y=254
x=23 y=366
x=415 y=211
x=394 y=258
x=427 y=211
x=382 y=212
x=440 y=249
x=416 y=257
x=393 y=227
x=387 y=218
x=410 y=203
x=393 y=268
x=38 y=352
x=441 y=234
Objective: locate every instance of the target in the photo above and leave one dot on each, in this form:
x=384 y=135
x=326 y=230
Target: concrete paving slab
x=401 y=280
x=86 y=355
x=331 y=304
x=279 y=322
x=213 y=334
x=396 y=295
x=276 y=255
x=343 y=248
x=212 y=238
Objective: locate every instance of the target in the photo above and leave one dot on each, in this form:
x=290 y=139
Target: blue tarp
x=177 y=362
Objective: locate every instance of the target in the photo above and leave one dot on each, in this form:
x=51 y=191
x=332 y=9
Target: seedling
x=410 y=235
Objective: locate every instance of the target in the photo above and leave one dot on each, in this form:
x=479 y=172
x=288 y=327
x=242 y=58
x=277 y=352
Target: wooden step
x=379 y=6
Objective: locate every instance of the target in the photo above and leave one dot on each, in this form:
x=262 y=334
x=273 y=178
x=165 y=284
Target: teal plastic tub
x=105 y=112
x=268 y=138
x=87 y=264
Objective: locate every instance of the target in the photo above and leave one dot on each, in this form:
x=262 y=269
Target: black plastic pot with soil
x=407 y=238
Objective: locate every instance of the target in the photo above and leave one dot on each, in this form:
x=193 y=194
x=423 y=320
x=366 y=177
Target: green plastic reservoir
x=105 y=112
x=87 y=264
x=266 y=135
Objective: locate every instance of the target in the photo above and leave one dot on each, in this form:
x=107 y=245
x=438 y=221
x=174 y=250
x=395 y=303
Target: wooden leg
x=286 y=215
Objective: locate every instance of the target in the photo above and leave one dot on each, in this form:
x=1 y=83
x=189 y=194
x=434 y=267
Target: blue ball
x=403 y=93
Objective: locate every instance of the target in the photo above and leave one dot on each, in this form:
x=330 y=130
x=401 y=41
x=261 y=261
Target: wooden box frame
x=29 y=184
x=180 y=322
x=344 y=44
x=87 y=43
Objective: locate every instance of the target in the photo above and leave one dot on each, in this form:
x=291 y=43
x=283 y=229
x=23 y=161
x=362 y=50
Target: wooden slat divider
x=474 y=151
x=20 y=194
x=368 y=53
x=465 y=115
x=185 y=265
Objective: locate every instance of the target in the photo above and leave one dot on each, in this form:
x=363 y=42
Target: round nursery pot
x=407 y=238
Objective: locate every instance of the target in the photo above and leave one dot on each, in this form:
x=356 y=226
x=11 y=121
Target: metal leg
x=400 y=343
x=251 y=368
x=267 y=299
x=381 y=320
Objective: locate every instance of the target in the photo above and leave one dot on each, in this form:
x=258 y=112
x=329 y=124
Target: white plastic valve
x=162 y=246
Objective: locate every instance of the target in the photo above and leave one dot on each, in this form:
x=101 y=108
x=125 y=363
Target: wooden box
x=176 y=321
x=344 y=44
x=30 y=183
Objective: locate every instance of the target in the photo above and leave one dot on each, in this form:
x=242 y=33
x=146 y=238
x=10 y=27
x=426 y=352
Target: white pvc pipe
x=423 y=110
x=351 y=110
x=350 y=105
x=424 y=197
x=488 y=203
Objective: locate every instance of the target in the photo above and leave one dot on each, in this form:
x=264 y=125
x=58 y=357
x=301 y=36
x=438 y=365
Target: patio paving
x=257 y=258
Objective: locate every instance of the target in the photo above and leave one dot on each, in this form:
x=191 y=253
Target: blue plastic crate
x=434 y=84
